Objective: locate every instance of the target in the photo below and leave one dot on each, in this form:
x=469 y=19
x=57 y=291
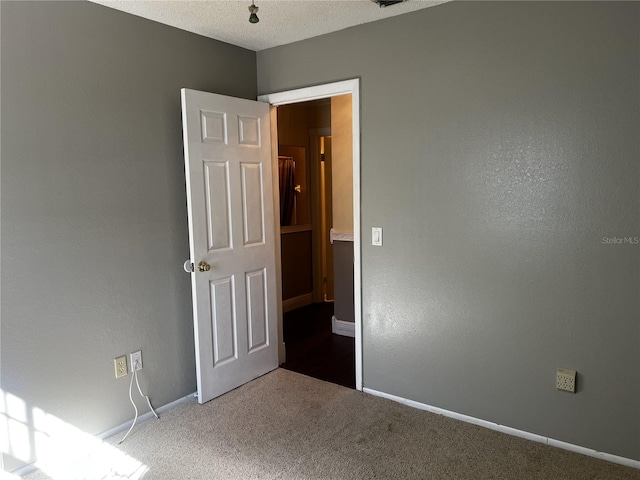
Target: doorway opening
x=315 y=150
x=343 y=231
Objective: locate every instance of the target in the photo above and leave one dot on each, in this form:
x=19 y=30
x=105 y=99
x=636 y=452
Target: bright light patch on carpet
x=62 y=450
x=8 y=476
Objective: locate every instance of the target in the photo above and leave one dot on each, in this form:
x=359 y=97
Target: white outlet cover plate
x=120 y=364
x=566 y=380
x=136 y=357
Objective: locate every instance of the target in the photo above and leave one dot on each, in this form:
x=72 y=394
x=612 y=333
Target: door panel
x=223 y=320
x=252 y=203
x=217 y=205
x=249 y=129
x=231 y=229
x=213 y=127
x=258 y=319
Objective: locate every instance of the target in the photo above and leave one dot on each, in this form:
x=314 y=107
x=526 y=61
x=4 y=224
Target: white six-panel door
x=231 y=230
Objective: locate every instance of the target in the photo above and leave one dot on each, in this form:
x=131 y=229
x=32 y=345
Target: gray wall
x=499 y=145
x=94 y=227
x=343 y=307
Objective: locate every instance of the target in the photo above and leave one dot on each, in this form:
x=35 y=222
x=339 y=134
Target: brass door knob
x=204 y=267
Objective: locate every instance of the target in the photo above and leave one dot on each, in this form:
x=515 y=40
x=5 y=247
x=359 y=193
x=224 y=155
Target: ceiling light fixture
x=387 y=3
x=253 y=18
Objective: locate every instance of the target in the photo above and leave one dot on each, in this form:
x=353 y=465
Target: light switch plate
x=376 y=236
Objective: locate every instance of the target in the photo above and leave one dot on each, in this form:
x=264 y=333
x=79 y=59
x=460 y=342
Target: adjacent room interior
x=316 y=251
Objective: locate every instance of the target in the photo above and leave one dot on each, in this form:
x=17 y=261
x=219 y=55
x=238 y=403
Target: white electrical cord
x=135 y=419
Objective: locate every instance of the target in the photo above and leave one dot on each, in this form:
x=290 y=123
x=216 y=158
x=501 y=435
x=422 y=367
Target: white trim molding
x=340 y=236
x=297 y=302
x=312 y=93
x=342 y=327
x=148 y=415
x=628 y=462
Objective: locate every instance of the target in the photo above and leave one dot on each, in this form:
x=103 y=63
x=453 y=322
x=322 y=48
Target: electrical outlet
x=566 y=380
x=121 y=366
x=136 y=361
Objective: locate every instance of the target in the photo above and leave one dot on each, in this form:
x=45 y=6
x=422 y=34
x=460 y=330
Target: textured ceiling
x=281 y=21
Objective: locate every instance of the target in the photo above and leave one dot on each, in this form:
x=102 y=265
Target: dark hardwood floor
x=313 y=350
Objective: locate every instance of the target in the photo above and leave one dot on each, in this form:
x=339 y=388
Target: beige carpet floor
x=288 y=426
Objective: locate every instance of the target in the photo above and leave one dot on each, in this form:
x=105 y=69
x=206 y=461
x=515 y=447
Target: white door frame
x=314 y=93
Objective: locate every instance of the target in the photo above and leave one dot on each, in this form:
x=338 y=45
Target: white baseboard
x=297 y=302
x=27 y=469
x=146 y=416
x=340 y=327
x=628 y=462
